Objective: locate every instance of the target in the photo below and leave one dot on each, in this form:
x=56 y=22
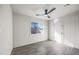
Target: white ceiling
x=33 y=9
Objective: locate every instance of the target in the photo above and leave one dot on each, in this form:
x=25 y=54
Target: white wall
x=22 y=30
x=71 y=29
x=5 y=29
x=51 y=29
x=67 y=29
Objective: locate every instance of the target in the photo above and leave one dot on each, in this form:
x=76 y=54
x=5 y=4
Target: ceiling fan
x=46 y=13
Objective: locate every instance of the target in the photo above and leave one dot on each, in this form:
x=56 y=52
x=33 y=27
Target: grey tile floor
x=45 y=48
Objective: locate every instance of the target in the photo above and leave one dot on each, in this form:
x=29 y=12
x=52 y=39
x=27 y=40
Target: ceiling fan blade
x=51 y=10
x=39 y=14
x=48 y=16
